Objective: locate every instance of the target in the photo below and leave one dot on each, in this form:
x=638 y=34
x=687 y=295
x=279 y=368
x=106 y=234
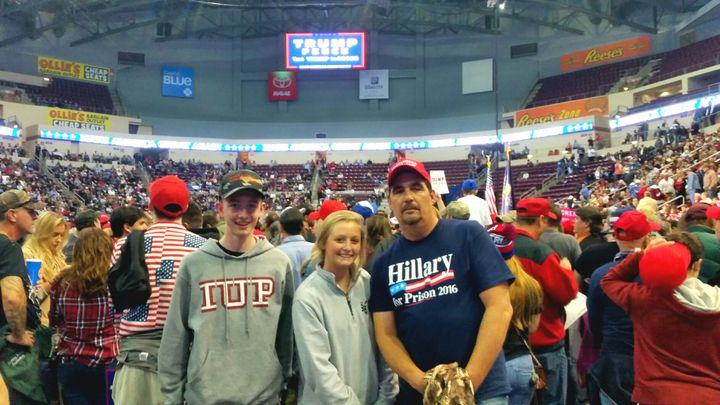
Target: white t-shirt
x=479 y=209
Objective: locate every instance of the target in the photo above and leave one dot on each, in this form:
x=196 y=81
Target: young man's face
x=241 y=211
x=140 y=225
x=410 y=199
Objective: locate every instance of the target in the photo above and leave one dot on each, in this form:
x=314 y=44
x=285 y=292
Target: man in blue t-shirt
x=439 y=294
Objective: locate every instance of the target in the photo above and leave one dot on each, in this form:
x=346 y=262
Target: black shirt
x=592 y=258
x=12 y=263
x=230 y=252
x=514 y=346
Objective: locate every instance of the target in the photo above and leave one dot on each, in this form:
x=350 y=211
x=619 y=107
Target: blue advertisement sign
x=336 y=50
x=178 y=82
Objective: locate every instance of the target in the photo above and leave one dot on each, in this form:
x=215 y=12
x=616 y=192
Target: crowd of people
x=251 y=295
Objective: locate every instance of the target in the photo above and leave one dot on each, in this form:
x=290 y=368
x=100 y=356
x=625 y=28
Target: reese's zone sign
x=73 y=70
x=562 y=111
x=70 y=119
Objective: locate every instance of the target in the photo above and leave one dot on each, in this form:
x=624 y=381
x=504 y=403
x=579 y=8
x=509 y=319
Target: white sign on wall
x=477 y=76
x=374 y=84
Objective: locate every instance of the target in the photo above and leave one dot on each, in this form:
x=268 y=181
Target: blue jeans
x=556 y=367
x=503 y=400
x=519 y=374
x=82 y=385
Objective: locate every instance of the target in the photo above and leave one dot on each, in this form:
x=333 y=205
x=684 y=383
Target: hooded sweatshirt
x=228 y=335
x=339 y=359
x=676 y=336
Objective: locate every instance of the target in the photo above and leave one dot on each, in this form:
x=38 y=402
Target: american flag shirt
x=166 y=244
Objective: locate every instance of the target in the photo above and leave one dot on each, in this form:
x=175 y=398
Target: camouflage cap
x=12 y=199
x=240 y=180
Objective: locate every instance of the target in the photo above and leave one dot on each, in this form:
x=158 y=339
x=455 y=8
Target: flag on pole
x=490 y=194
x=507 y=200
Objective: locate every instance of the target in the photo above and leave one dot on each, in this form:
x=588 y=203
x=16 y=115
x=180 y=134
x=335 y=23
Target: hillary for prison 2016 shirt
x=433 y=287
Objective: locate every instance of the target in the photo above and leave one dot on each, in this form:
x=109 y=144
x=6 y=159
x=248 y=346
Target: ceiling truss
x=256 y=18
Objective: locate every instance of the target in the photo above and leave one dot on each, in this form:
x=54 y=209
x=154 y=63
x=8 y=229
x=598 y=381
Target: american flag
x=166 y=244
x=490 y=194
x=507 y=199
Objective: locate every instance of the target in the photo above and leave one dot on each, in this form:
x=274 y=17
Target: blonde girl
x=332 y=325
x=46 y=243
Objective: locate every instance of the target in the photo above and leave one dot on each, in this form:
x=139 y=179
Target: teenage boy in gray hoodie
x=228 y=335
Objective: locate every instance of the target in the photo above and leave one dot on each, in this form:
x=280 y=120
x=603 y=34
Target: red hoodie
x=558 y=285
x=677 y=349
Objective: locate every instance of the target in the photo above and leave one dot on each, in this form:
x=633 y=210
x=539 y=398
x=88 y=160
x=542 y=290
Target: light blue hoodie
x=339 y=360
x=228 y=334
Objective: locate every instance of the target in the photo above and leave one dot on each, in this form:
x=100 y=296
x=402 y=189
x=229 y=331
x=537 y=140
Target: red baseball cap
x=665 y=267
x=169 y=195
x=104 y=221
x=713 y=212
x=633 y=225
x=535 y=207
x=407 y=165
x=327 y=208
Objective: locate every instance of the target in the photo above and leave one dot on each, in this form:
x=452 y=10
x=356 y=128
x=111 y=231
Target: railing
x=67 y=191
x=142 y=173
x=664 y=203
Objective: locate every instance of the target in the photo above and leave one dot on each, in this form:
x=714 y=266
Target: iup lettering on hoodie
x=233 y=293
x=413 y=281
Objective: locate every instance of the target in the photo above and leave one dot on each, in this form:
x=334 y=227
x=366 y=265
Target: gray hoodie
x=339 y=360
x=699 y=296
x=228 y=335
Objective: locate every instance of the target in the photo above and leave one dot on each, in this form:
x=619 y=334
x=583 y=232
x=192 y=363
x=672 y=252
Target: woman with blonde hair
x=82 y=315
x=526 y=297
x=378 y=228
x=339 y=360
x=46 y=243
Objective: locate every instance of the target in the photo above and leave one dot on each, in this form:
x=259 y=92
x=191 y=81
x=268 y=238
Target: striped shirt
x=166 y=244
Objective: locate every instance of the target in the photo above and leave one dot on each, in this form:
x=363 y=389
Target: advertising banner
x=74 y=120
x=73 y=70
x=282 y=86
x=608 y=53
x=325 y=50
x=178 y=82
x=374 y=84
x=562 y=111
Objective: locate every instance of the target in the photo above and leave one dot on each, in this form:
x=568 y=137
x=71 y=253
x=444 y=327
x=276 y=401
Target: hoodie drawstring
x=249 y=281
x=227 y=336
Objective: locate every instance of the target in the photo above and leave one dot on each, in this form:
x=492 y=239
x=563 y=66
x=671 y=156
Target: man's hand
x=658 y=242
x=565 y=262
x=27 y=339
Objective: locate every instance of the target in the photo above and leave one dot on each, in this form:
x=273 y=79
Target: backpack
x=128 y=279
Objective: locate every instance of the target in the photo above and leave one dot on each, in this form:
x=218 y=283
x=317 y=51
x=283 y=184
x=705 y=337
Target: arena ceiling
x=91 y=20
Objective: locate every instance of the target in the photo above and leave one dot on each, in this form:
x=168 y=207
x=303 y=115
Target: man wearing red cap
x=166 y=243
x=676 y=322
x=327 y=208
x=559 y=287
x=611 y=327
x=439 y=294
x=698 y=223
x=713 y=213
